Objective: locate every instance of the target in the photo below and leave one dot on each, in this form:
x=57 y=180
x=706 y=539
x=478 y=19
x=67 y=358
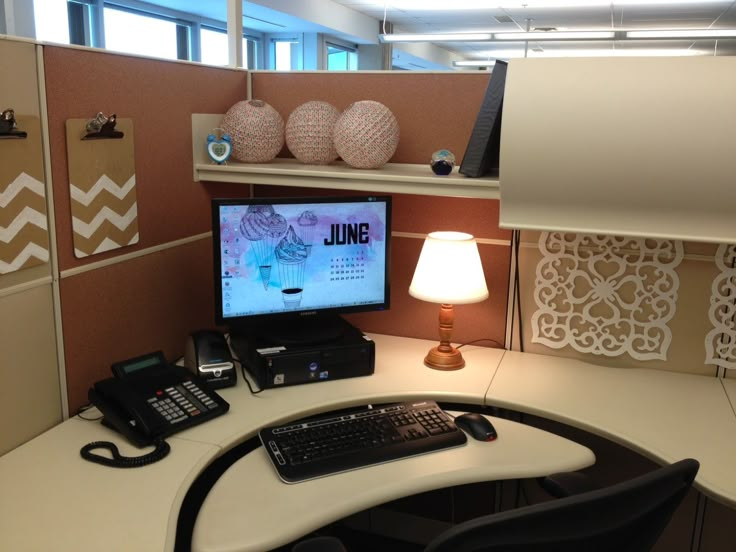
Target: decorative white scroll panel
x=606 y=295
x=720 y=343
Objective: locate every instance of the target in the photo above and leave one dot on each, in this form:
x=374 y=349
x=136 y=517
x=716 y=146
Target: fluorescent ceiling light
x=502 y=54
x=555 y=35
x=620 y=52
x=442 y=37
x=607 y=52
x=683 y=33
x=474 y=63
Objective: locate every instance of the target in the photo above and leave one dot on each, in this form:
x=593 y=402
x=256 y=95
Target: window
x=214 y=48
x=341 y=58
x=47 y=14
x=154 y=36
x=136 y=27
x=285 y=54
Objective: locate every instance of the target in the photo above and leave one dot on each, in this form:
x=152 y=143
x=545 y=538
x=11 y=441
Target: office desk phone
x=149 y=399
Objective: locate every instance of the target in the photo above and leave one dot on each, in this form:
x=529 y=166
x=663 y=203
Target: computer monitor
x=286 y=268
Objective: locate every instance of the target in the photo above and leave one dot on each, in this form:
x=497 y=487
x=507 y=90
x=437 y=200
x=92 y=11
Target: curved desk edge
x=230 y=519
x=665 y=416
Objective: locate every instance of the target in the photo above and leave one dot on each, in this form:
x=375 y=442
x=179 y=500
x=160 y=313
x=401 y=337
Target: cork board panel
x=102 y=189
x=128 y=309
x=160 y=97
x=434 y=110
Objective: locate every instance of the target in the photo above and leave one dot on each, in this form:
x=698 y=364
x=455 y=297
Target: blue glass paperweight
x=443 y=161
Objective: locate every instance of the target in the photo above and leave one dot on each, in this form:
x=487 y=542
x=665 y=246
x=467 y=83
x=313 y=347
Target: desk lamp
x=448 y=272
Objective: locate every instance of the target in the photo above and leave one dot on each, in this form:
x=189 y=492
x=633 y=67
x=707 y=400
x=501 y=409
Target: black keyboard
x=356 y=438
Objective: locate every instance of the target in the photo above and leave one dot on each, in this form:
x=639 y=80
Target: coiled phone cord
x=118 y=460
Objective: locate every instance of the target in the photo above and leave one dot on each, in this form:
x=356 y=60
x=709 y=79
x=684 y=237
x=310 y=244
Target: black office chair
x=628 y=516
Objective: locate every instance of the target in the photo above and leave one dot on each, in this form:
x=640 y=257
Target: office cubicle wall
x=150 y=295
x=118 y=304
x=29 y=369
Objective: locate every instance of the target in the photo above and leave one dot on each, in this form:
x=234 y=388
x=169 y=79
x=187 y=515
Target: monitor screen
x=284 y=258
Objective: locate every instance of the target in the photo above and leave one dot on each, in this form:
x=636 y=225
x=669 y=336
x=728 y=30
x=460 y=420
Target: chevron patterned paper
x=104 y=217
x=24 y=240
x=102 y=189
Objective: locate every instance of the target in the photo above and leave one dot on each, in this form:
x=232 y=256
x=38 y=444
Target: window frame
x=331 y=42
x=86 y=21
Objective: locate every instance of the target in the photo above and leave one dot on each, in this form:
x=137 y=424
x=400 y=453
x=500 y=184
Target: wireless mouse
x=478 y=426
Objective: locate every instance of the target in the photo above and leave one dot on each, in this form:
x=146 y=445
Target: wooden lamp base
x=444 y=356
x=444 y=360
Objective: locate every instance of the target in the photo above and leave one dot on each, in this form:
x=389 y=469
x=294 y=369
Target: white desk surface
x=399 y=375
x=666 y=416
x=729 y=384
x=51 y=499
x=519 y=452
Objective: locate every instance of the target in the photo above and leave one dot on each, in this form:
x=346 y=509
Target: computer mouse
x=478 y=426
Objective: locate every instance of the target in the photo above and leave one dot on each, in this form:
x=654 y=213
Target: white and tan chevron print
x=105 y=217
x=23 y=224
x=102 y=189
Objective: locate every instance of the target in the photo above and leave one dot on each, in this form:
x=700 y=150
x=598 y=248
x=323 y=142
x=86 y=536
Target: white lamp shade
x=449 y=270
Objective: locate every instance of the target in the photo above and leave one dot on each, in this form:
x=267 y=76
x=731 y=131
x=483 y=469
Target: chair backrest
x=627 y=516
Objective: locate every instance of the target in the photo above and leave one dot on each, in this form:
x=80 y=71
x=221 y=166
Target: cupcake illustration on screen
x=291 y=254
x=306 y=222
x=263 y=227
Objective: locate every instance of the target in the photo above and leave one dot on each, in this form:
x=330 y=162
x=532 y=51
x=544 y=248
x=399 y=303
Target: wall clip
x=8 y=126
x=102 y=127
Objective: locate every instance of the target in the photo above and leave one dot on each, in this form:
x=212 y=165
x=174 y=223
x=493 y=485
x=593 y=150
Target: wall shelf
x=392 y=178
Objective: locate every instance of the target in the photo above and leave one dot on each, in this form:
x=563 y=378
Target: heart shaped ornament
x=219 y=149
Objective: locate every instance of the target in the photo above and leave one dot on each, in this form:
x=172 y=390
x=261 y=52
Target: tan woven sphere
x=366 y=135
x=309 y=132
x=256 y=130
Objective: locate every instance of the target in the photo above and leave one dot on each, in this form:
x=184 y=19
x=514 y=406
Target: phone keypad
x=168 y=409
x=180 y=402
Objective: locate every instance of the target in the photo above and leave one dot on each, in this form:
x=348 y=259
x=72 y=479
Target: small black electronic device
x=272 y=364
x=478 y=426
x=149 y=399
x=207 y=355
x=358 y=437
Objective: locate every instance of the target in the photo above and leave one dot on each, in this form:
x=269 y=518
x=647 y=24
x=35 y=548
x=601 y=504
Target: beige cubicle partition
x=29 y=372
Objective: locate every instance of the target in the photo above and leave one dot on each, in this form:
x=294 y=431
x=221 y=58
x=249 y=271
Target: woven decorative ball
x=256 y=130
x=309 y=132
x=366 y=134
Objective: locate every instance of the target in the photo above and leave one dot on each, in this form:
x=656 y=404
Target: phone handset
x=126 y=411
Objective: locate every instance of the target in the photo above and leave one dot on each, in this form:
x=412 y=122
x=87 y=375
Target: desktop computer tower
x=272 y=364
